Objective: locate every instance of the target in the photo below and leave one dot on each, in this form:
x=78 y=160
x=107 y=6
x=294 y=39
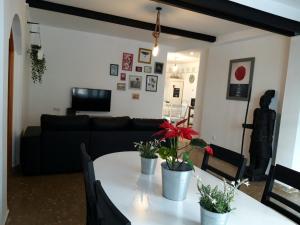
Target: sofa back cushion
x=110 y=123
x=65 y=123
x=146 y=124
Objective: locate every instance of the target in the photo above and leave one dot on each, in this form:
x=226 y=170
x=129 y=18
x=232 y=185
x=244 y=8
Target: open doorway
x=181 y=86
x=10 y=102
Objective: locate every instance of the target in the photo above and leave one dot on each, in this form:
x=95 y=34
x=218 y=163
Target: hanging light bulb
x=156 y=33
x=155 y=50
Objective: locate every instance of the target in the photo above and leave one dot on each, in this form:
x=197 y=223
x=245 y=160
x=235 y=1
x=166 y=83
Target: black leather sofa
x=55 y=146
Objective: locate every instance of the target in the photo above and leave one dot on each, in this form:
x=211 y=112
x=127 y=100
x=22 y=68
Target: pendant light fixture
x=156 y=33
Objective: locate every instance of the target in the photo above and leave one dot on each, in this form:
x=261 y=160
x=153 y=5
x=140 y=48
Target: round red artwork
x=240 y=73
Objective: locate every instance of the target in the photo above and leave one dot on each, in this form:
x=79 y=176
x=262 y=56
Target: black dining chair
x=228 y=156
x=285 y=206
x=110 y=214
x=92 y=213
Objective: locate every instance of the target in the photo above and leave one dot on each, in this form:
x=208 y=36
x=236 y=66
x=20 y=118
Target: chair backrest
x=285 y=206
x=109 y=213
x=89 y=182
x=226 y=155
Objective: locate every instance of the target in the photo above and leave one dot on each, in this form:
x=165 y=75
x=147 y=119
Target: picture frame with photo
x=151 y=83
x=121 y=86
x=135 y=96
x=127 y=61
x=158 y=68
x=145 y=55
x=147 y=69
x=135 y=82
x=114 y=70
x=240 y=79
x=123 y=76
x=139 y=69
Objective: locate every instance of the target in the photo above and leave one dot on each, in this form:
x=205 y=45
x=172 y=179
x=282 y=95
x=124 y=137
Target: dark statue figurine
x=261 y=138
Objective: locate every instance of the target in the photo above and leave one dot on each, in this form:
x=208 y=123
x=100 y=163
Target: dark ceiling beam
x=238 y=13
x=116 y=19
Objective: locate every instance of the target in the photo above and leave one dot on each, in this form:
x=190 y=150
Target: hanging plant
x=38 y=63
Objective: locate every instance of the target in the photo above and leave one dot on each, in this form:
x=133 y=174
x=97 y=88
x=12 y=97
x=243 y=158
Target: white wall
x=80 y=59
x=14 y=14
x=288 y=153
x=222 y=119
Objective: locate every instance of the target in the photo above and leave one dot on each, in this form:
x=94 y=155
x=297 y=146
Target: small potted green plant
x=38 y=63
x=148 y=155
x=177 y=168
x=216 y=203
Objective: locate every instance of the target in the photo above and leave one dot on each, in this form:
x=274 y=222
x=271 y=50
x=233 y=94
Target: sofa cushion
x=65 y=123
x=110 y=123
x=146 y=124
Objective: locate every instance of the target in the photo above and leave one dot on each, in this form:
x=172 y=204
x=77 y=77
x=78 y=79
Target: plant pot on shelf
x=212 y=218
x=175 y=183
x=148 y=165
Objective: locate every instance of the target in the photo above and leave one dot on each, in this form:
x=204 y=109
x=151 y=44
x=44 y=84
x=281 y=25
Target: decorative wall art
x=145 y=55
x=121 y=86
x=123 y=76
x=127 y=61
x=151 y=83
x=114 y=69
x=147 y=69
x=158 y=68
x=139 y=69
x=240 y=79
x=135 y=82
x=135 y=96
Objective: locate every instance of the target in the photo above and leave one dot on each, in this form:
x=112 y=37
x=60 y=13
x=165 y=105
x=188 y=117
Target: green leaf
x=198 y=142
x=186 y=158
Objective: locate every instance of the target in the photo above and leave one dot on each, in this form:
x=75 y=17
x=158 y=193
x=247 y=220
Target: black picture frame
x=240 y=90
x=152 y=87
x=114 y=70
x=158 y=68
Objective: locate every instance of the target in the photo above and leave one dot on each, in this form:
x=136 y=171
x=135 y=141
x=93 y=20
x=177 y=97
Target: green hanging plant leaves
x=38 y=67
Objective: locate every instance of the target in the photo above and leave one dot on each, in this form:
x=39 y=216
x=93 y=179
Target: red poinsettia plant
x=174 y=154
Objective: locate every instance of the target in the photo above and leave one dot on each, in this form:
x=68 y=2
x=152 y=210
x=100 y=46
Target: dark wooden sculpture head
x=265 y=100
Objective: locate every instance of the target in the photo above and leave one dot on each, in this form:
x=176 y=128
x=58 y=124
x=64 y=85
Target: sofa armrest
x=30 y=151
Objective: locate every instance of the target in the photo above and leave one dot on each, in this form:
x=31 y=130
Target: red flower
x=209 y=150
x=170 y=131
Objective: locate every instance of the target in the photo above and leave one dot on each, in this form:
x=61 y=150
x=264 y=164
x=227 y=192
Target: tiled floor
x=59 y=199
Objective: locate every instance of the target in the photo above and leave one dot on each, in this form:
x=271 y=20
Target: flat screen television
x=85 y=99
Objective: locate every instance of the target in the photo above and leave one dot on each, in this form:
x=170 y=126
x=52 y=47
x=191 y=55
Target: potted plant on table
x=215 y=203
x=148 y=155
x=177 y=168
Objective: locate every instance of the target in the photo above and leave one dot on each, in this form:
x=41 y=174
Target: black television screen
x=85 y=99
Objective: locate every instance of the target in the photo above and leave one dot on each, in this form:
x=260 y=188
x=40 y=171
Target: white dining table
x=139 y=197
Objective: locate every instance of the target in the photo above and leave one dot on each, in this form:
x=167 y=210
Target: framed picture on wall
x=145 y=55
x=114 y=69
x=147 y=69
x=139 y=69
x=240 y=79
x=127 y=61
x=158 y=68
x=151 y=83
x=121 y=86
x=123 y=76
x=135 y=82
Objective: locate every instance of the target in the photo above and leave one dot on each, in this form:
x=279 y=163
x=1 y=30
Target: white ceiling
x=285 y=8
x=144 y=10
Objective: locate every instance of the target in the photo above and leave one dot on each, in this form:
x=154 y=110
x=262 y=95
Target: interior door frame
x=10 y=101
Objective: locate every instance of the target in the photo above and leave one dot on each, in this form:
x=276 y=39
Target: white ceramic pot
x=211 y=218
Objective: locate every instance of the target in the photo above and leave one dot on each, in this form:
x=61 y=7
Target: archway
x=15 y=50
